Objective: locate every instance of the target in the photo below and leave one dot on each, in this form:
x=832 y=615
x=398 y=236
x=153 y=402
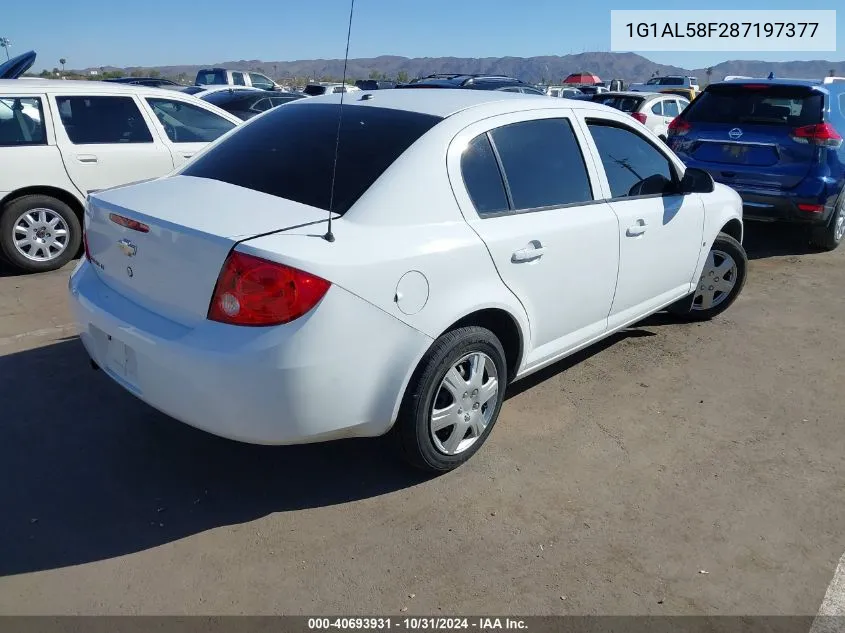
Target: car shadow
x=764 y=239
x=87 y=472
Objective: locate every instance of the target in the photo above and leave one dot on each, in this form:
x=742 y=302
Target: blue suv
x=778 y=143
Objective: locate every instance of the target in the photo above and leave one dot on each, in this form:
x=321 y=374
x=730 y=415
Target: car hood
x=17 y=66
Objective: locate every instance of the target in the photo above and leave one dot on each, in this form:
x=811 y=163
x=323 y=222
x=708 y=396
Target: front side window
x=260 y=81
x=634 y=167
x=21 y=121
x=238 y=79
x=103 y=120
x=187 y=123
x=670 y=108
x=482 y=177
x=542 y=163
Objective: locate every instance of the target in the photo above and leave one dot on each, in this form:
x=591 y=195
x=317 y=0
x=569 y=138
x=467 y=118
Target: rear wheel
x=453 y=400
x=829 y=236
x=39 y=233
x=721 y=281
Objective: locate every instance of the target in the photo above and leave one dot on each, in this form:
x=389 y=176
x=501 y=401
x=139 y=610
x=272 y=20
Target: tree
x=402 y=77
x=138 y=72
x=155 y=73
x=374 y=74
x=55 y=70
x=63 y=61
x=709 y=74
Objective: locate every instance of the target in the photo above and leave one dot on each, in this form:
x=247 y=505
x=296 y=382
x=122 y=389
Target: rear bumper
x=336 y=372
x=770 y=206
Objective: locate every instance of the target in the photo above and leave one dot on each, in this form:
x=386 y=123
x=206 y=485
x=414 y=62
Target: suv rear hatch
x=745 y=133
x=162 y=243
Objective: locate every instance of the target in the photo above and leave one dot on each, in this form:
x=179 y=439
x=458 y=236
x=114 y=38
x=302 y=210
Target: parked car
x=317 y=90
x=475 y=82
x=373 y=84
x=562 y=91
x=593 y=90
x=152 y=82
x=60 y=140
x=220 y=296
x=247 y=104
x=669 y=81
x=687 y=93
x=226 y=77
x=778 y=143
x=654 y=110
x=201 y=91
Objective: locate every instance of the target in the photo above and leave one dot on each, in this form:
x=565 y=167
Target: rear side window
x=289 y=152
x=625 y=104
x=314 y=91
x=211 y=77
x=238 y=79
x=187 y=123
x=670 y=108
x=542 y=163
x=482 y=177
x=100 y=120
x=634 y=167
x=21 y=121
x=768 y=105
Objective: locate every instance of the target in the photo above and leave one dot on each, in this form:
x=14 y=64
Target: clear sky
x=158 y=32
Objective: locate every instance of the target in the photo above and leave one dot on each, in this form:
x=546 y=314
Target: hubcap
x=717 y=281
x=464 y=403
x=839 y=228
x=40 y=235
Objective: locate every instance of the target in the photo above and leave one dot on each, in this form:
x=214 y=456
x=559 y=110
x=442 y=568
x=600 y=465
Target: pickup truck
x=658 y=84
x=227 y=77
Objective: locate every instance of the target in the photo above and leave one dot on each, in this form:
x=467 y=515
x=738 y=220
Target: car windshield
x=624 y=103
x=290 y=152
x=314 y=91
x=211 y=77
x=792 y=106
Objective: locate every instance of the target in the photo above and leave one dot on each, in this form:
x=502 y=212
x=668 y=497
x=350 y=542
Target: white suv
x=61 y=140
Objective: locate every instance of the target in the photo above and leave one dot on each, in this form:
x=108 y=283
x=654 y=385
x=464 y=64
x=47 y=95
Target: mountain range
x=550 y=69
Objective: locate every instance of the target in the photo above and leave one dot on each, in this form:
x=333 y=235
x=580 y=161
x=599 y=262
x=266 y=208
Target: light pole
x=6 y=43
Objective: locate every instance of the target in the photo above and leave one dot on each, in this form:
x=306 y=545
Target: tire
x=692 y=307
x=43 y=208
x=828 y=236
x=429 y=449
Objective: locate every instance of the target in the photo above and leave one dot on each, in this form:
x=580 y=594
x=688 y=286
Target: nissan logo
x=735 y=133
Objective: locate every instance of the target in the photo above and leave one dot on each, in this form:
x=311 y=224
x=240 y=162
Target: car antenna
x=329 y=236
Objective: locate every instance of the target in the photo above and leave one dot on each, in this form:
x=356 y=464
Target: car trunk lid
x=162 y=243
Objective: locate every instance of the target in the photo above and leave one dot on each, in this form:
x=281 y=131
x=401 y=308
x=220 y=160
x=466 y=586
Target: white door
x=105 y=141
x=526 y=189
x=660 y=230
x=186 y=127
x=655 y=120
x=671 y=109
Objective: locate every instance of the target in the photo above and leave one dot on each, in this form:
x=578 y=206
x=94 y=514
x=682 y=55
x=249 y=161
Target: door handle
x=188 y=154
x=528 y=254
x=86 y=158
x=638 y=229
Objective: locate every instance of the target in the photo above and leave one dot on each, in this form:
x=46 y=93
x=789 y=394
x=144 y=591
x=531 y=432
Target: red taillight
x=679 y=127
x=129 y=223
x=254 y=291
x=639 y=116
x=811 y=208
x=823 y=134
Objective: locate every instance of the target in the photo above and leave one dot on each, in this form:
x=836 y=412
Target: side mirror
x=697 y=181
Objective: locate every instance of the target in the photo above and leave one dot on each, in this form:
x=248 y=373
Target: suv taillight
x=255 y=291
x=639 y=116
x=823 y=134
x=679 y=127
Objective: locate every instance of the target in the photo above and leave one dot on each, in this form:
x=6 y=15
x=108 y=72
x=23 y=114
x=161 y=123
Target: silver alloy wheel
x=717 y=281
x=839 y=227
x=40 y=234
x=464 y=403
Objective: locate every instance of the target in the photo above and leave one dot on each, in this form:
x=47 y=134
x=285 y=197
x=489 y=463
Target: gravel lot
x=611 y=481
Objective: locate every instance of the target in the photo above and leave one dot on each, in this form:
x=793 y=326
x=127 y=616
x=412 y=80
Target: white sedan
x=476 y=237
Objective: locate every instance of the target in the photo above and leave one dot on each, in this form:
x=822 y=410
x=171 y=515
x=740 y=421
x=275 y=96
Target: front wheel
x=39 y=233
x=453 y=400
x=720 y=283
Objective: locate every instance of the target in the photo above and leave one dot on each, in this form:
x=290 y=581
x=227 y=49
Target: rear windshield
x=290 y=151
x=626 y=104
x=211 y=77
x=315 y=91
x=228 y=96
x=769 y=105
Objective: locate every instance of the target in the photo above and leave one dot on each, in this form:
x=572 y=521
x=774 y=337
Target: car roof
x=75 y=85
x=809 y=83
x=446 y=102
x=632 y=93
